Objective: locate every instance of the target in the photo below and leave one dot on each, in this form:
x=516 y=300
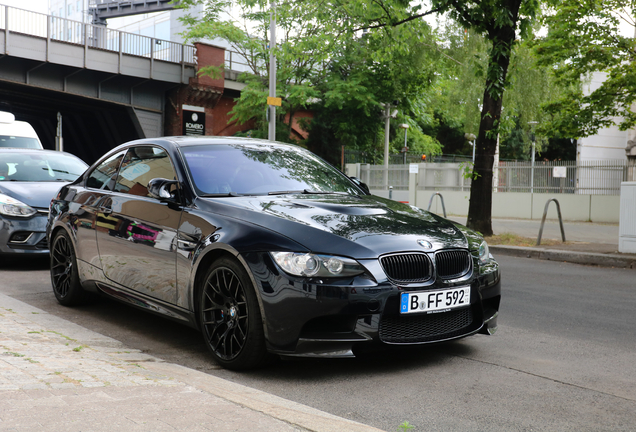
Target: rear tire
x=64 y=274
x=230 y=317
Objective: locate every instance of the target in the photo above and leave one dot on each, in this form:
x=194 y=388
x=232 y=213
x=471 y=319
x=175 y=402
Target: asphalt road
x=564 y=358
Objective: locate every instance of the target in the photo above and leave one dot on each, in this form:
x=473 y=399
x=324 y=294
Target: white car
x=14 y=133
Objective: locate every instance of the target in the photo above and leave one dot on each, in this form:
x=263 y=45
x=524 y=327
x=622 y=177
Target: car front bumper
x=318 y=318
x=24 y=235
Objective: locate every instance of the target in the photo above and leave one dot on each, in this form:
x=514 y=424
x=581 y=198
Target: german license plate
x=434 y=301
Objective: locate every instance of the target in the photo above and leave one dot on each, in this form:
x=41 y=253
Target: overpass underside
x=90 y=126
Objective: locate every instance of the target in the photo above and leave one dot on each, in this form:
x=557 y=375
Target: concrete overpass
x=109 y=86
x=101 y=10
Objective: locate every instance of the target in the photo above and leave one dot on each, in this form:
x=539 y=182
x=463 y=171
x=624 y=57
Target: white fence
x=560 y=177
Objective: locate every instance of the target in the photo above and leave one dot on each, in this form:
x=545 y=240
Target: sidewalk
x=57 y=376
x=586 y=242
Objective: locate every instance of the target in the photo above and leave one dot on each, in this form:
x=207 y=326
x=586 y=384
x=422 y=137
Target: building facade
x=609 y=143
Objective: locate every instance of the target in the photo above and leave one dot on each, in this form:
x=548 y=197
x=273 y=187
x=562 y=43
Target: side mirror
x=361 y=185
x=160 y=188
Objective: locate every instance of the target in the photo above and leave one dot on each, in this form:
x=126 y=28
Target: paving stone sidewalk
x=58 y=376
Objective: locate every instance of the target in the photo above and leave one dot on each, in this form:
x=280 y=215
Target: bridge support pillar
x=205 y=95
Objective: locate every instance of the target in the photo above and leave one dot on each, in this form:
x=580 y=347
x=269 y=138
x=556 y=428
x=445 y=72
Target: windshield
x=40 y=167
x=18 y=141
x=259 y=169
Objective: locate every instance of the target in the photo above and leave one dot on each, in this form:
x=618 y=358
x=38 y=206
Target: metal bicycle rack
x=431 y=202
x=545 y=213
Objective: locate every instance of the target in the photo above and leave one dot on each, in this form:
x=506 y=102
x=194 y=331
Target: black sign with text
x=193 y=123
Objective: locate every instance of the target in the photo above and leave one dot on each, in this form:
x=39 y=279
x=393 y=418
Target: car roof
x=33 y=151
x=186 y=141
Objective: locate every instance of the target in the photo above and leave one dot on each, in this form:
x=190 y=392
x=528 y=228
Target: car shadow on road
x=176 y=343
x=24 y=262
x=386 y=361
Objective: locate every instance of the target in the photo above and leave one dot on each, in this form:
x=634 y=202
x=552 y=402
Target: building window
x=70 y=10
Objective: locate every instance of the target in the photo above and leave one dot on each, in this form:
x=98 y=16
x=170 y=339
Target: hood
x=369 y=224
x=35 y=194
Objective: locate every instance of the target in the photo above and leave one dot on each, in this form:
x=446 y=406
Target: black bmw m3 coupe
x=266 y=249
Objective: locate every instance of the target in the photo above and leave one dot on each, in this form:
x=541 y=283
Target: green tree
x=457 y=95
x=352 y=55
x=583 y=38
x=498 y=21
x=337 y=58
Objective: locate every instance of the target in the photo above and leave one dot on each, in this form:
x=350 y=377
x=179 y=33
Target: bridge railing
x=60 y=29
x=237 y=62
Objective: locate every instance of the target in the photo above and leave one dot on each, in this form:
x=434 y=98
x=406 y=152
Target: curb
x=586 y=258
x=293 y=413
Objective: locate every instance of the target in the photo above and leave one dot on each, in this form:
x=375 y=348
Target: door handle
x=186 y=245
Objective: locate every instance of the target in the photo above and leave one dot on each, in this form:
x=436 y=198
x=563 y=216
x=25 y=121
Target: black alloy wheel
x=230 y=317
x=64 y=275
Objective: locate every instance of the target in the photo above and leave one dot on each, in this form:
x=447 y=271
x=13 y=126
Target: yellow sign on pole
x=276 y=101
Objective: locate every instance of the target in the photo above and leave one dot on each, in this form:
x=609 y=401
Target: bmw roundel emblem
x=425 y=244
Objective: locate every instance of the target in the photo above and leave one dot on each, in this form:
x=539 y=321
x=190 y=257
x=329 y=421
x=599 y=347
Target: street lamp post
x=405 y=149
x=532 y=169
x=271 y=132
x=471 y=139
x=532 y=124
x=387 y=115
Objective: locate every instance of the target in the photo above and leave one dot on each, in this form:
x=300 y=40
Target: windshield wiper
x=217 y=195
x=325 y=192
x=306 y=192
x=288 y=192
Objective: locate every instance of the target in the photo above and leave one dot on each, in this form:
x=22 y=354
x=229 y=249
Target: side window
x=103 y=177
x=140 y=165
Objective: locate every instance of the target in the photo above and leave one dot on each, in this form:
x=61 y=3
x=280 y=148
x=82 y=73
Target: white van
x=15 y=133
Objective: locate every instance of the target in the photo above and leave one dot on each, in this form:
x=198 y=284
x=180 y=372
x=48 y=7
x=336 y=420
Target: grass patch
x=508 y=239
x=61 y=335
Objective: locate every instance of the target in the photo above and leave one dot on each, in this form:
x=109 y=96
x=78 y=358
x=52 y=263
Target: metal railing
x=358 y=156
x=235 y=61
x=14 y=20
x=585 y=177
x=601 y=177
x=545 y=214
x=373 y=176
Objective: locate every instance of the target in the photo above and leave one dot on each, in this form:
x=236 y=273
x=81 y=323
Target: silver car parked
x=29 y=179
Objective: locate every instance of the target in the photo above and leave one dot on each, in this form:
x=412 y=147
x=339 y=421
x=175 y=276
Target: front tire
x=230 y=317
x=64 y=274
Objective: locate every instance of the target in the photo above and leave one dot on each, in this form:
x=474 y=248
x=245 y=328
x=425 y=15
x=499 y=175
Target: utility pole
x=59 y=141
x=271 y=135
x=387 y=116
x=387 y=124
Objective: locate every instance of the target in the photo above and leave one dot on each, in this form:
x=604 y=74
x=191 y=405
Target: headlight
x=484 y=253
x=311 y=265
x=12 y=207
